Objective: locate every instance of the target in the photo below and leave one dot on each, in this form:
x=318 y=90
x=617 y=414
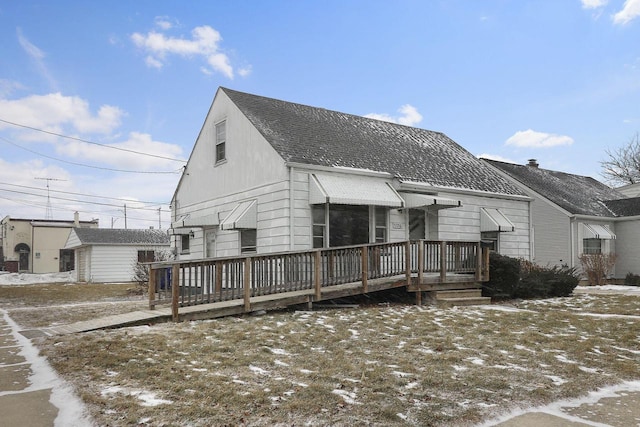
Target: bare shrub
x=141 y=270
x=598 y=267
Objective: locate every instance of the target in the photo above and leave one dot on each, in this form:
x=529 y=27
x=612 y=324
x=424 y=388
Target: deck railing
x=187 y=283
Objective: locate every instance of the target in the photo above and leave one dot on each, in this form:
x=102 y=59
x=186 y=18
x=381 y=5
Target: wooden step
x=457 y=293
x=459 y=302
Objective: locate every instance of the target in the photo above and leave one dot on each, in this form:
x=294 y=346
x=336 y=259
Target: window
x=348 y=225
x=146 y=256
x=417 y=221
x=381 y=224
x=591 y=246
x=184 y=243
x=248 y=240
x=319 y=225
x=490 y=239
x=221 y=139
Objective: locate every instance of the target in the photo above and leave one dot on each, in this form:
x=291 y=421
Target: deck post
x=419 y=298
x=485 y=255
x=175 y=291
x=218 y=284
x=443 y=261
x=420 y=263
x=479 y=261
x=152 y=288
x=317 y=282
x=407 y=261
x=365 y=267
x=247 y=284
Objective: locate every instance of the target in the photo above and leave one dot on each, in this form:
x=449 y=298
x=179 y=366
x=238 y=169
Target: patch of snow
x=279 y=351
x=280 y=363
x=556 y=380
x=149 y=399
x=34 y=279
x=257 y=370
x=347 y=396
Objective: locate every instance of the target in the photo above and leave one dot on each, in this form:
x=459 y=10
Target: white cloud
x=204 y=43
x=119 y=159
x=409 y=116
x=629 y=12
x=54 y=112
x=37 y=56
x=8 y=86
x=593 y=4
x=533 y=139
x=163 y=23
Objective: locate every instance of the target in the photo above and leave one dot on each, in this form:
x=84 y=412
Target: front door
x=24 y=261
x=210 y=243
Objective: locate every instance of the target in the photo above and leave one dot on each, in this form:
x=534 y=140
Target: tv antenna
x=49 y=214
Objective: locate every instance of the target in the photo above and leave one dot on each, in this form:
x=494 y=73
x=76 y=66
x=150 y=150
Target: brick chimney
x=533 y=163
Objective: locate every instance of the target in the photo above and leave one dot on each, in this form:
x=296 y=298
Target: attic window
x=221 y=139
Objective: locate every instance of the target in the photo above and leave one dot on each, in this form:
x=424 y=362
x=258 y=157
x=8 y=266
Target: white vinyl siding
x=551 y=234
x=627 y=247
x=115 y=263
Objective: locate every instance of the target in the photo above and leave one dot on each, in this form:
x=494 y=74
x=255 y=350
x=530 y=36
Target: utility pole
x=125 y=216
x=49 y=212
x=159 y=220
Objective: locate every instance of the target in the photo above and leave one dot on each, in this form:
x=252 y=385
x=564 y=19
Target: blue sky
x=558 y=81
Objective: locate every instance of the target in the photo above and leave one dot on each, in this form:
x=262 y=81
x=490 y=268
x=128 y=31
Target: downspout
x=291 y=209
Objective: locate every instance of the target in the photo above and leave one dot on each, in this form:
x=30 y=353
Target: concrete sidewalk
x=31 y=393
x=616 y=406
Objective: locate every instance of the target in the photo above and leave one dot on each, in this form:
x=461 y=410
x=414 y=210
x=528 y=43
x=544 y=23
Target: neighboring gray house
x=572 y=215
x=267 y=175
x=105 y=255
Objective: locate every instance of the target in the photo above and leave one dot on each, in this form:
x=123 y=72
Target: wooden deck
x=211 y=288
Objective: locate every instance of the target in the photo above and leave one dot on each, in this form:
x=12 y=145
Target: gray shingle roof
x=117 y=236
x=580 y=195
x=624 y=207
x=316 y=136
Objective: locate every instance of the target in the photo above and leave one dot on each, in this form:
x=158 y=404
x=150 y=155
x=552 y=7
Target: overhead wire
x=85 y=165
x=86 y=141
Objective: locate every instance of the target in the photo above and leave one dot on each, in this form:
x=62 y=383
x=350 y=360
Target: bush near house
x=597 y=267
x=513 y=278
x=141 y=270
x=632 y=279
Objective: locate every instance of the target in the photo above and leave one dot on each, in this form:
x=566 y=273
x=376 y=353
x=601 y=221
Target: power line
x=93 y=143
x=85 y=195
x=80 y=201
x=85 y=165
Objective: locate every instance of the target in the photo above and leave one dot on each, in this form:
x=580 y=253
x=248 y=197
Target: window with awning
x=352 y=190
x=494 y=220
x=243 y=216
x=596 y=231
x=415 y=200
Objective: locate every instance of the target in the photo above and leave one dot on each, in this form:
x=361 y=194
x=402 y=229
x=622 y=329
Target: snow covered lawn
x=389 y=364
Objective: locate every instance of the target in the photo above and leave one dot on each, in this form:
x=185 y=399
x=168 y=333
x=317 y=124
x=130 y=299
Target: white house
x=573 y=215
x=267 y=175
x=104 y=255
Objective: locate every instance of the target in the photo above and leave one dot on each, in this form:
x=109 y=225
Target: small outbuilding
x=104 y=255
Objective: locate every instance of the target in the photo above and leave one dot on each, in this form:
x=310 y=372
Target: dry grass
x=390 y=364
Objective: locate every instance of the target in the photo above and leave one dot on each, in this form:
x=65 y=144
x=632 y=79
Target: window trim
x=220 y=143
x=248 y=249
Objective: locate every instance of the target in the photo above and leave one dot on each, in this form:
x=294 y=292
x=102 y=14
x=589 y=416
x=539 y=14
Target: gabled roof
x=316 y=136
x=115 y=236
x=579 y=195
x=624 y=207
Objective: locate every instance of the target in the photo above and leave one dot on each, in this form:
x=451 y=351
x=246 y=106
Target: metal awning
x=492 y=219
x=595 y=231
x=199 y=221
x=415 y=200
x=243 y=216
x=352 y=190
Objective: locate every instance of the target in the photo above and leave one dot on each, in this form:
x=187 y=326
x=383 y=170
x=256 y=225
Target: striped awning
x=243 y=216
x=197 y=221
x=596 y=231
x=492 y=219
x=415 y=200
x=352 y=190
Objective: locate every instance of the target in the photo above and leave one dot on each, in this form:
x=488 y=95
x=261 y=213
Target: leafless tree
x=623 y=164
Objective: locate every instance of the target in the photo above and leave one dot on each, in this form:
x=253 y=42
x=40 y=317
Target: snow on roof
x=118 y=236
x=316 y=136
x=580 y=195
